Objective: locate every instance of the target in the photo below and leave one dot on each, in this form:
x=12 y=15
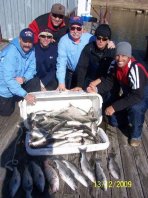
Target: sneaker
x=135 y=142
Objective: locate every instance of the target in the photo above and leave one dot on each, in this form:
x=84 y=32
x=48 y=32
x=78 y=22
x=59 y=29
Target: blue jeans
x=133 y=115
x=136 y=115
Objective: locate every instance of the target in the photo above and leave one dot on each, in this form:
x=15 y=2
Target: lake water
x=127 y=26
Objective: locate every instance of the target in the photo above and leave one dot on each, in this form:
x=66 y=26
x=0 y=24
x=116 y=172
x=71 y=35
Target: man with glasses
x=46 y=55
x=55 y=21
x=17 y=72
x=69 y=50
x=95 y=59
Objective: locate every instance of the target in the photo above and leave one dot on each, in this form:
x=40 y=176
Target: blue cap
x=27 y=35
x=76 y=20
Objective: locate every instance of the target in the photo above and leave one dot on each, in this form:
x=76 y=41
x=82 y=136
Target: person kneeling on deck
x=17 y=72
x=132 y=79
x=95 y=58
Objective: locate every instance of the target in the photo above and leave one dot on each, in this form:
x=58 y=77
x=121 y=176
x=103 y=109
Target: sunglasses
x=43 y=36
x=57 y=16
x=102 y=38
x=75 y=28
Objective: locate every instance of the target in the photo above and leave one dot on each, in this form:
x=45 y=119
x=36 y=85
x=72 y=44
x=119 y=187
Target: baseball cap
x=45 y=32
x=27 y=35
x=76 y=20
x=58 y=8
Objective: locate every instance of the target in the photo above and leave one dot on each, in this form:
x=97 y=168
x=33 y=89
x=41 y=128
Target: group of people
x=55 y=52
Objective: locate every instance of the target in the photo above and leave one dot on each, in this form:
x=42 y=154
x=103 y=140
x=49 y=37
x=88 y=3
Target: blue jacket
x=69 y=53
x=46 y=63
x=14 y=62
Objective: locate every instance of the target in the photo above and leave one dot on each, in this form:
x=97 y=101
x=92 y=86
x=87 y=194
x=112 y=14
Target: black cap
x=103 y=30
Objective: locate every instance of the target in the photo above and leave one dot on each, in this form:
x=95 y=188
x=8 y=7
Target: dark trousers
x=70 y=79
x=52 y=85
x=7 y=105
x=134 y=115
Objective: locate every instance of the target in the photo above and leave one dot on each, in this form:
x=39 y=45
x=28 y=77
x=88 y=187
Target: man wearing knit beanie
x=132 y=79
x=104 y=31
x=95 y=58
x=124 y=48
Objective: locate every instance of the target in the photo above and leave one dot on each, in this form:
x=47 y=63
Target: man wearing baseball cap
x=69 y=50
x=46 y=56
x=17 y=72
x=132 y=103
x=55 y=21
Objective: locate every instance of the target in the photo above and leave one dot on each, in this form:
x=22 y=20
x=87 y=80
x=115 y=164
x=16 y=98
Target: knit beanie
x=103 y=30
x=124 y=48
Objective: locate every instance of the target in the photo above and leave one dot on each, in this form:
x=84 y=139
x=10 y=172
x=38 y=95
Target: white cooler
x=55 y=100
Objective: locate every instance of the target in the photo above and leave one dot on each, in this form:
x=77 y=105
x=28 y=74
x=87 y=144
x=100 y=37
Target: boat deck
x=133 y=163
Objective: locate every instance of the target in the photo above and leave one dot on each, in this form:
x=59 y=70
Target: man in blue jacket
x=69 y=50
x=17 y=72
x=46 y=56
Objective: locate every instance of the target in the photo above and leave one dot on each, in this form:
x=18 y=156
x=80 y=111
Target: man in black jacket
x=132 y=78
x=95 y=58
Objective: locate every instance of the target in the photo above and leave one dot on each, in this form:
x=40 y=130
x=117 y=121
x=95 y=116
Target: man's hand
x=95 y=83
x=61 y=87
x=20 y=80
x=91 y=89
x=76 y=89
x=109 y=111
x=43 y=89
x=30 y=98
x=111 y=45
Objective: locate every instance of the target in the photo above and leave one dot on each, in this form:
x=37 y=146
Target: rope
x=14 y=162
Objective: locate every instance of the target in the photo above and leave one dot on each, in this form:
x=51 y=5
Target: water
x=127 y=26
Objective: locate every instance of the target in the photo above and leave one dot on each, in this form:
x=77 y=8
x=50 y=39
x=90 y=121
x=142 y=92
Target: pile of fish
x=66 y=127
x=68 y=172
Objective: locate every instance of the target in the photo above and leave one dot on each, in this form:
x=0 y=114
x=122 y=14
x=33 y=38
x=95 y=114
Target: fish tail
x=83 y=150
x=111 y=155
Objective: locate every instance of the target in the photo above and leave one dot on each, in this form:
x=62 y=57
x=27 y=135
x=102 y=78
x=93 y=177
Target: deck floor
x=133 y=163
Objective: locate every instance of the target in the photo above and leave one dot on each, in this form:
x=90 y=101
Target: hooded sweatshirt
x=14 y=62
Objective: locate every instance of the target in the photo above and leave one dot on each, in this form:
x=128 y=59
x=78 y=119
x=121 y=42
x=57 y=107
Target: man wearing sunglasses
x=69 y=50
x=17 y=72
x=46 y=55
x=95 y=58
x=55 y=21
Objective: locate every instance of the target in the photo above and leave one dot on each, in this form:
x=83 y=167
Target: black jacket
x=93 y=63
x=133 y=87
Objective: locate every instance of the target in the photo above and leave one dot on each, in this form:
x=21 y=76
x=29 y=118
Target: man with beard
x=17 y=72
x=55 y=21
